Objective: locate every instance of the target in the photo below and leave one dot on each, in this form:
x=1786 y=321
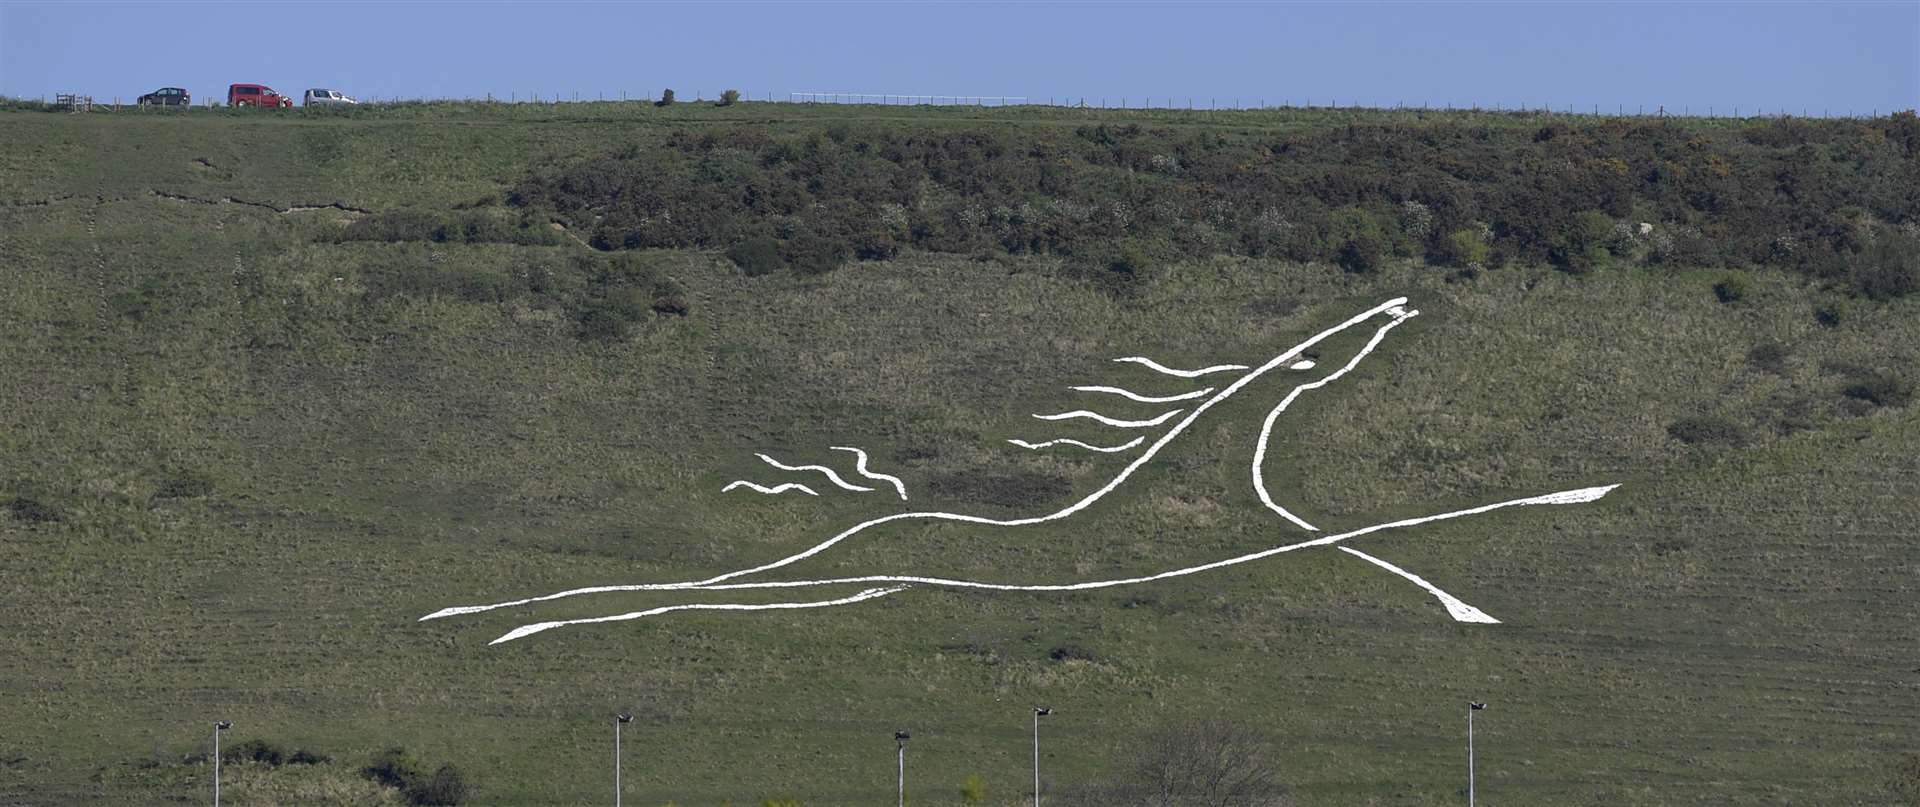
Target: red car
x=259 y=95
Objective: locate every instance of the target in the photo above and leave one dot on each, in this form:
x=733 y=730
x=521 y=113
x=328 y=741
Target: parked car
x=259 y=95
x=167 y=96
x=319 y=97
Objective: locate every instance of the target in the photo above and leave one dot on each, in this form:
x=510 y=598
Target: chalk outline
x=1134 y=396
x=1266 y=428
x=1085 y=502
x=1460 y=611
x=1161 y=368
x=831 y=475
x=717 y=583
x=860 y=466
x=742 y=483
x=529 y=630
x=1069 y=441
x=1118 y=424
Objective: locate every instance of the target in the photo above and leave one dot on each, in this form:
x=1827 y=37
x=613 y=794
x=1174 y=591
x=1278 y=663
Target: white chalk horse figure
x=1382 y=318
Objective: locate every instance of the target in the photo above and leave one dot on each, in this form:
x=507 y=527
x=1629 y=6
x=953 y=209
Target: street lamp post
x=1038 y=712
x=618 y=719
x=218 y=726
x=1472 y=706
x=900 y=738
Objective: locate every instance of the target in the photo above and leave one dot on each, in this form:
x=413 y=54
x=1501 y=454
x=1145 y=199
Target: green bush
x=1356 y=239
x=446 y=788
x=1888 y=269
x=1733 y=288
x=1880 y=388
x=974 y=790
x=1832 y=314
x=729 y=97
x=808 y=253
x=1768 y=357
x=260 y=751
x=1587 y=243
x=184 y=484
x=1463 y=248
x=458 y=227
x=1706 y=429
x=666 y=98
x=756 y=256
x=620 y=292
x=1130 y=261
x=32 y=511
x=395 y=768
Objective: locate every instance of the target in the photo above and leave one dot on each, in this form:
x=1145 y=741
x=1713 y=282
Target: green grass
x=1736 y=624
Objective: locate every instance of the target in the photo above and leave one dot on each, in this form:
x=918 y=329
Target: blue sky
x=1795 y=56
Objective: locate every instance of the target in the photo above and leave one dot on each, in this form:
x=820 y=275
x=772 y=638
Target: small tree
x=446 y=788
x=1464 y=248
x=974 y=790
x=1213 y=762
x=729 y=97
x=666 y=98
x=1355 y=239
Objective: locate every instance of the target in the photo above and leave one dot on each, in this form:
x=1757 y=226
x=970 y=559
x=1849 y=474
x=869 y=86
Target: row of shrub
x=442 y=786
x=1861 y=391
x=1809 y=196
x=396 y=768
x=605 y=295
x=458 y=227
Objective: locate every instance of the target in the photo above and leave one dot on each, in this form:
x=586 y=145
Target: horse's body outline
x=891 y=584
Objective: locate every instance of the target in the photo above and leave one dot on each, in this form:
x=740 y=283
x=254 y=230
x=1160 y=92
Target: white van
x=327 y=98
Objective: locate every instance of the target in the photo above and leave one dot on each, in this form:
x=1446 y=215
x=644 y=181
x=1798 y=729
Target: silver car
x=318 y=97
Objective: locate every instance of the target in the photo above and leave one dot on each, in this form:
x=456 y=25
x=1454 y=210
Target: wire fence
x=1147 y=103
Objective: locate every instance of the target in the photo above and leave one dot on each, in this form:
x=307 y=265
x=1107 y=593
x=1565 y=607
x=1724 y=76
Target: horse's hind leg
x=529 y=630
x=1458 y=610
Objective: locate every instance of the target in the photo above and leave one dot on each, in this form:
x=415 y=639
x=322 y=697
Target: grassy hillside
x=243 y=450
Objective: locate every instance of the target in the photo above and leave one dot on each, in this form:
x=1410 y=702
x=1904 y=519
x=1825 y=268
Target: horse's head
x=1331 y=353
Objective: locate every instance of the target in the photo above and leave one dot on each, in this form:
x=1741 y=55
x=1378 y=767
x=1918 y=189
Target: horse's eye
x=1303 y=364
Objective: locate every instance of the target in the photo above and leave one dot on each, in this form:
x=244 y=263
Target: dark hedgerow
x=1815 y=197
x=396 y=768
x=458 y=226
x=606 y=295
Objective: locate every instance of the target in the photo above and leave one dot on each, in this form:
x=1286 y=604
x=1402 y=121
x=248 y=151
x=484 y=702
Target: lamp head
x=901 y=737
x=1042 y=711
x=222 y=725
x=624 y=717
x=1476 y=705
